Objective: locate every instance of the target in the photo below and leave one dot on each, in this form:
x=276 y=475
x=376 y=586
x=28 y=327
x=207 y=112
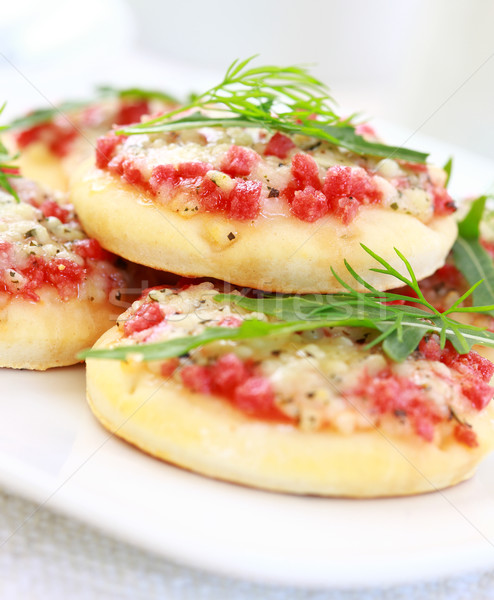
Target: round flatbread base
x=207 y=435
x=51 y=332
x=36 y=162
x=278 y=253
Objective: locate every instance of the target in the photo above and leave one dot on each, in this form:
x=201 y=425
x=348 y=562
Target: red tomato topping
x=233 y=379
x=255 y=397
x=476 y=370
x=346 y=209
x=305 y=172
x=105 y=148
x=450 y=276
x=396 y=395
x=50 y=208
x=163 y=175
x=309 y=204
x=11 y=170
x=191 y=170
x=169 y=367
x=238 y=161
x=279 y=145
x=443 y=203
x=91 y=248
x=245 y=200
x=197 y=378
x=147 y=315
x=131 y=111
x=63 y=274
x=346 y=183
x=464 y=434
x=57 y=136
x=228 y=373
x=212 y=197
x=132 y=174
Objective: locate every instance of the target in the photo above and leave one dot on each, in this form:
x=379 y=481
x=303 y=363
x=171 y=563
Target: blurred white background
x=425 y=64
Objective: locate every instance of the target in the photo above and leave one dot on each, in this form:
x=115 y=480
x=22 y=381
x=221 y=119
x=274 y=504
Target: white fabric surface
x=51 y=557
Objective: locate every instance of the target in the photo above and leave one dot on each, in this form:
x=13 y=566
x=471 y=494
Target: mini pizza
x=59 y=289
x=271 y=212
x=308 y=412
x=277 y=208
x=53 y=142
x=470 y=261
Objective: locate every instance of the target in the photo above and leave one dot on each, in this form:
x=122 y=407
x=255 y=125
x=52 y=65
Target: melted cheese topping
x=316 y=375
x=402 y=189
x=27 y=233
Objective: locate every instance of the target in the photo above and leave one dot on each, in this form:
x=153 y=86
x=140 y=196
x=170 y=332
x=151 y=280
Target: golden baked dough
x=58 y=288
x=327 y=435
x=50 y=332
x=274 y=253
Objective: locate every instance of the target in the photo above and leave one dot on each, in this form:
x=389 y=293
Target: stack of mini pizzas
x=315 y=411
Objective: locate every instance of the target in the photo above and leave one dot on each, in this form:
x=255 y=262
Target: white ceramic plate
x=53 y=451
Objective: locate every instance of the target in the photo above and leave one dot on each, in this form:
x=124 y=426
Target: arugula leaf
x=448 y=168
x=472 y=259
x=8 y=169
x=469 y=227
x=286 y=99
x=400 y=327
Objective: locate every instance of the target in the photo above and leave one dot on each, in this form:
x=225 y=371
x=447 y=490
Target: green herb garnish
x=400 y=327
x=286 y=99
x=448 y=168
x=136 y=93
x=8 y=169
x=472 y=259
x=46 y=115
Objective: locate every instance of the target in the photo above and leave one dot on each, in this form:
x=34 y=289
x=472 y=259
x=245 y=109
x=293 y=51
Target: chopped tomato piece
x=147 y=315
x=50 y=208
x=256 y=398
x=309 y=204
x=245 y=200
x=346 y=188
x=191 y=170
x=239 y=161
x=163 y=175
x=105 y=149
x=197 y=378
x=212 y=197
x=443 y=203
x=465 y=435
x=91 y=248
x=228 y=373
x=168 y=367
x=131 y=111
x=279 y=145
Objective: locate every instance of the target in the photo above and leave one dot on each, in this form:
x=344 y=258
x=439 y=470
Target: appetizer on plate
x=341 y=401
x=53 y=141
x=264 y=188
x=56 y=284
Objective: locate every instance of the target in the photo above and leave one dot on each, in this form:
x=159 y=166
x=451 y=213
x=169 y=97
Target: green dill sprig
x=8 y=169
x=399 y=327
x=287 y=99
